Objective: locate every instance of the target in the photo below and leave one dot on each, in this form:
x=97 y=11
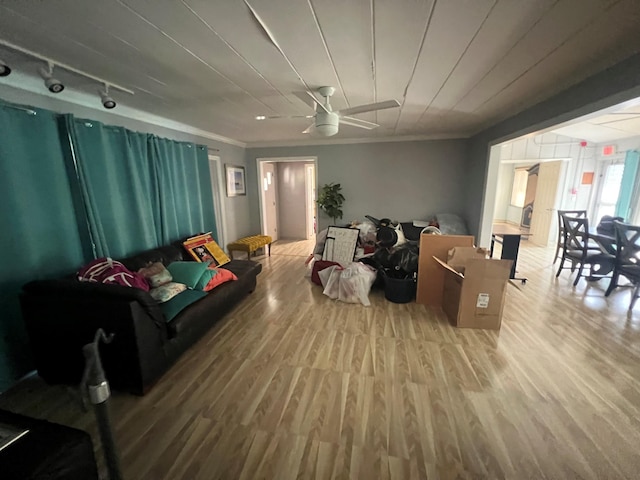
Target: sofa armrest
x=63 y=315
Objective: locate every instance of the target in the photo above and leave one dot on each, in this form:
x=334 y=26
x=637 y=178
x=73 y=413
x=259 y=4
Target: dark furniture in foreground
x=560 y=241
x=577 y=251
x=509 y=237
x=48 y=451
x=627 y=262
x=63 y=315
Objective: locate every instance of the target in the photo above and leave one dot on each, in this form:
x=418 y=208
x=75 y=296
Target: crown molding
x=349 y=141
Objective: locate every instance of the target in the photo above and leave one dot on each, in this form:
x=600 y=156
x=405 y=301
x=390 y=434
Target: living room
x=466 y=76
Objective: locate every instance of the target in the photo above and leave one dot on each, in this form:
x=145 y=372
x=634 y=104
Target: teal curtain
x=627 y=185
x=184 y=185
x=39 y=238
x=118 y=186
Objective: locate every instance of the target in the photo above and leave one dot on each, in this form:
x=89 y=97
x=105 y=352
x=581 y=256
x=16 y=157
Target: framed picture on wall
x=235 y=180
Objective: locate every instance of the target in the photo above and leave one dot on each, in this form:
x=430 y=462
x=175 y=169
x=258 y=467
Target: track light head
x=107 y=101
x=5 y=70
x=54 y=85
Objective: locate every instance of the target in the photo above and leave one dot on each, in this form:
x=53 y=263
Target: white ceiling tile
x=508 y=22
x=564 y=19
x=210 y=65
x=453 y=25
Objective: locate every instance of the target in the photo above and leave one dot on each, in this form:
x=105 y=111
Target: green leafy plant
x=330 y=200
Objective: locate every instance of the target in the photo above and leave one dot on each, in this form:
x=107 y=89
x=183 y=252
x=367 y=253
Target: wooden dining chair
x=560 y=242
x=627 y=262
x=575 y=248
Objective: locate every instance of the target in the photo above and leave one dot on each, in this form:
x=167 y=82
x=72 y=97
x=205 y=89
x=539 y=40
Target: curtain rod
x=28 y=110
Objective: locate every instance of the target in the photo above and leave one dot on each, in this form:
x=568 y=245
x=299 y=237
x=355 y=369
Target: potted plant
x=330 y=200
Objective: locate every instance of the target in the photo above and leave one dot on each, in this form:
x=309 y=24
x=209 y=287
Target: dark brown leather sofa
x=62 y=315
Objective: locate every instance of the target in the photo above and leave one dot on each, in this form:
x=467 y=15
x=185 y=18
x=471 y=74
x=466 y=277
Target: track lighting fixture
x=107 y=101
x=54 y=85
x=5 y=70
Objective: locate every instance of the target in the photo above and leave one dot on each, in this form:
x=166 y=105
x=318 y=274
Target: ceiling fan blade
x=304 y=97
x=356 y=122
x=309 y=128
x=311 y=100
x=275 y=117
x=369 y=107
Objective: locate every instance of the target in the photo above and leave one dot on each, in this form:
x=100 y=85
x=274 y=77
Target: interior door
x=270 y=195
x=310 y=189
x=544 y=210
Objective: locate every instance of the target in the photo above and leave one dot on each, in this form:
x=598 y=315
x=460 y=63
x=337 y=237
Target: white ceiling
x=456 y=66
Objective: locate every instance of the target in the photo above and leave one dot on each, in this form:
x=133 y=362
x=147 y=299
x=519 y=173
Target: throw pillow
x=174 y=306
x=156 y=274
x=220 y=276
x=208 y=274
x=109 y=271
x=188 y=273
x=166 y=292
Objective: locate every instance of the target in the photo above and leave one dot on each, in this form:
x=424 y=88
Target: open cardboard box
x=475 y=298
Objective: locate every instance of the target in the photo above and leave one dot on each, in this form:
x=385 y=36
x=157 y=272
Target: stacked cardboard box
x=457 y=277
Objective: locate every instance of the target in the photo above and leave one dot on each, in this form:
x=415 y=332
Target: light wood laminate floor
x=293 y=385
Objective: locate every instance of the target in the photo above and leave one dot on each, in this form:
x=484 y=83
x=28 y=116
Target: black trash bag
x=405 y=258
x=606 y=227
x=382 y=257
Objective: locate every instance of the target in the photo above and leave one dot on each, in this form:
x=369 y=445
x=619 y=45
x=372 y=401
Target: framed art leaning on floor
x=236 y=184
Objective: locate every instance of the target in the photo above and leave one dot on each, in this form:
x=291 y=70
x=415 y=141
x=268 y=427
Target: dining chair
x=627 y=261
x=575 y=248
x=560 y=242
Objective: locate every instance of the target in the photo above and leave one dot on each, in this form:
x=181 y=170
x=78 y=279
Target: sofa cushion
x=218 y=276
x=188 y=273
x=166 y=292
x=156 y=274
x=174 y=306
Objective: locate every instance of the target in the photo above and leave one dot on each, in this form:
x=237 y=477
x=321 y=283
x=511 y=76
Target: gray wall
x=399 y=180
x=609 y=87
x=237 y=208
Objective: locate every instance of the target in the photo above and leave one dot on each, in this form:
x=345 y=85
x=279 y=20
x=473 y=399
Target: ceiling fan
x=327 y=121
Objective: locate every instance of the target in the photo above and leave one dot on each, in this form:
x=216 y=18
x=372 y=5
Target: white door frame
x=311 y=211
x=218 y=184
x=259 y=161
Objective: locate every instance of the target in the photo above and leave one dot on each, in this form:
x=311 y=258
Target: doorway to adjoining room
x=288 y=210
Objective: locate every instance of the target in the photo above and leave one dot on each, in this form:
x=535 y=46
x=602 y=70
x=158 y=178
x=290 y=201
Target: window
x=519 y=189
x=610 y=180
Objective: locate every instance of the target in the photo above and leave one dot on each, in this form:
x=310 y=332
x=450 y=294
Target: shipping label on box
x=483 y=300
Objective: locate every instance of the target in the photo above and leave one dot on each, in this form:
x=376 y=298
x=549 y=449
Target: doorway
x=528 y=194
x=287 y=197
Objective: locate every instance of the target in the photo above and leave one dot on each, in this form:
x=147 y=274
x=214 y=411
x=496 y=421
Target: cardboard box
x=475 y=299
x=430 y=275
x=458 y=257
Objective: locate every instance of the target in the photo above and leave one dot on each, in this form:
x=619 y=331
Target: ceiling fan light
x=326 y=124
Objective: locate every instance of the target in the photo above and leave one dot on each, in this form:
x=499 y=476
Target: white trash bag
x=350 y=284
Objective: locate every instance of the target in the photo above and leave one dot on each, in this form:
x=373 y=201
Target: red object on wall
x=583 y=143
x=608 y=150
